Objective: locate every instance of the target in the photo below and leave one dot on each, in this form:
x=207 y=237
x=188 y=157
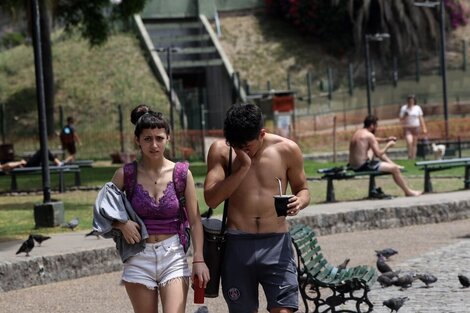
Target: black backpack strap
x=130 y=179
x=180 y=187
x=224 y=216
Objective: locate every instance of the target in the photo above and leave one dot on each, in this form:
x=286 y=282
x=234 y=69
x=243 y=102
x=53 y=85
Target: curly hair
x=243 y=123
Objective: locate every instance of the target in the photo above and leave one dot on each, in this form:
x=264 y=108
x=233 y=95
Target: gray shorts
x=253 y=259
x=368 y=166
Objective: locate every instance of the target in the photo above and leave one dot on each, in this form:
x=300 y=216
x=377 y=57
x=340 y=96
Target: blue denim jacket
x=111 y=205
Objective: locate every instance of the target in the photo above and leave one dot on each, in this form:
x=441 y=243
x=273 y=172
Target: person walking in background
x=253 y=227
x=151 y=185
x=364 y=146
x=69 y=139
x=411 y=117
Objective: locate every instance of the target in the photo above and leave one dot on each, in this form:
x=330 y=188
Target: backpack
x=66 y=135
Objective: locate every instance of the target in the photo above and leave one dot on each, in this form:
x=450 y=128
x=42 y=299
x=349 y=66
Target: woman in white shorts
x=411 y=117
x=155 y=186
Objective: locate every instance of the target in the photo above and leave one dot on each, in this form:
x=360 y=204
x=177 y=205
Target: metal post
x=172 y=119
x=203 y=124
x=444 y=68
x=334 y=139
x=395 y=72
x=309 y=88
x=372 y=76
x=330 y=83
x=366 y=51
x=464 y=55
x=268 y=85
x=121 y=128
x=4 y=128
x=417 y=77
x=61 y=116
x=351 y=79
x=62 y=125
x=37 y=44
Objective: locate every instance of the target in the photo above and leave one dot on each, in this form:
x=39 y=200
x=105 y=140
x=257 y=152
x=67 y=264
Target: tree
x=409 y=27
x=92 y=19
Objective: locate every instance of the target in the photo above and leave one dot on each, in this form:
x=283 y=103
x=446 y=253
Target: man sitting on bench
x=364 y=146
x=34 y=160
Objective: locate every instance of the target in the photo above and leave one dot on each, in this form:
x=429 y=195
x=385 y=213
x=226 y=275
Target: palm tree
x=409 y=27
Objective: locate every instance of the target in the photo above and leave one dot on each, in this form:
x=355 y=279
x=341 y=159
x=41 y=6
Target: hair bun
x=138 y=111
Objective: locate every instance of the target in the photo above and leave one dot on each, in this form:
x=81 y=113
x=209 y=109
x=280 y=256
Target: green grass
x=90 y=84
x=16 y=211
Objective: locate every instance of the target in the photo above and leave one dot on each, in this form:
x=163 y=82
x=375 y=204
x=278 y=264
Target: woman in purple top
x=162 y=268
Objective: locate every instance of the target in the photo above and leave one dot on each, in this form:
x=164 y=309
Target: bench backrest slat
x=443 y=162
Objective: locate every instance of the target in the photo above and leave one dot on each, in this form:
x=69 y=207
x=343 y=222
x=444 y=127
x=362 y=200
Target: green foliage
x=12 y=39
x=346 y=22
x=319 y=18
x=93 y=19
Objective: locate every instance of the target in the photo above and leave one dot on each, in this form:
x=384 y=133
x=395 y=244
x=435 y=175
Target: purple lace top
x=163 y=216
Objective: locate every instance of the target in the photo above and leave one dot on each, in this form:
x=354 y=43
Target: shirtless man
x=258 y=248
x=364 y=146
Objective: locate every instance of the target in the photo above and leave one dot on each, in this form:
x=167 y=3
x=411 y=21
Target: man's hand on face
x=242 y=157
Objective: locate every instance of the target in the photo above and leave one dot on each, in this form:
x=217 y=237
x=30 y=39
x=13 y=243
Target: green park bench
x=81 y=163
x=59 y=170
x=344 y=172
x=440 y=165
x=327 y=286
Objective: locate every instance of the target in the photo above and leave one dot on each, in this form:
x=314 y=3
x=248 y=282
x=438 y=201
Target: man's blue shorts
x=253 y=259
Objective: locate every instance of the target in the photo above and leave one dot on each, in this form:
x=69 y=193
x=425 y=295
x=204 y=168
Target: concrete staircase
x=192 y=44
x=189 y=50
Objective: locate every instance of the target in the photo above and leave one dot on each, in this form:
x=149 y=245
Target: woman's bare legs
x=174 y=294
x=143 y=299
x=410 y=144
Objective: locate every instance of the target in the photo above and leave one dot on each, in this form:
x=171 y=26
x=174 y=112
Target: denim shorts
x=157 y=264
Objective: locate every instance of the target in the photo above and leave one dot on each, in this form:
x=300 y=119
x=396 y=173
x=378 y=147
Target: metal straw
x=280 y=185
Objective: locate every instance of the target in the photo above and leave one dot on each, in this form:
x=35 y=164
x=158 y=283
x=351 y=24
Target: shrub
x=12 y=39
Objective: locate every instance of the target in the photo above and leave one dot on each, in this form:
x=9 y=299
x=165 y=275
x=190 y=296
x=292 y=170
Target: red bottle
x=198 y=291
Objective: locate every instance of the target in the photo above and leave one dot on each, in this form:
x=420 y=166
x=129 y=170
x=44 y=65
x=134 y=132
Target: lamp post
x=367 y=38
x=169 y=51
x=432 y=4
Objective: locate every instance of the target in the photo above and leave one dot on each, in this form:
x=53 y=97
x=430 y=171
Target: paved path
x=445 y=253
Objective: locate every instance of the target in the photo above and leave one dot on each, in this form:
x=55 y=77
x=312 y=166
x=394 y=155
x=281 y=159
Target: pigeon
x=93 y=233
x=382 y=266
x=404 y=281
x=40 y=238
x=464 y=280
x=391 y=275
x=387 y=252
x=26 y=246
x=427 y=279
x=394 y=304
x=202 y=309
x=72 y=224
x=385 y=281
x=343 y=265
